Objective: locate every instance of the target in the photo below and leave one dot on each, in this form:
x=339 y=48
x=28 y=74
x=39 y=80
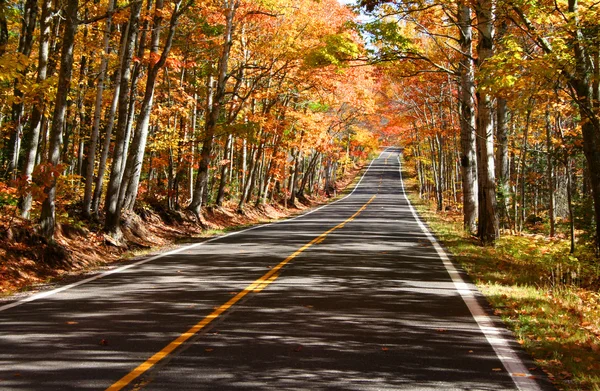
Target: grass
x=549 y=298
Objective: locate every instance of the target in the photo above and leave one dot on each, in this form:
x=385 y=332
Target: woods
x=520 y=130
x=107 y=105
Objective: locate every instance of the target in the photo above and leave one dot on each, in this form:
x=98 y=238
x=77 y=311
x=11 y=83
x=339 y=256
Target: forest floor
x=28 y=263
x=548 y=297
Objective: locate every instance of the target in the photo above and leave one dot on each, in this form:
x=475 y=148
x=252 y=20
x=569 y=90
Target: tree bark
x=91 y=158
x=550 y=174
x=214 y=111
x=48 y=218
x=133 y=168
x=32 y=138
x=25 y=46
x=502 y=166
x=111 y=207
x=109 y=128
x=467 y=120
x=488 y=230
x=224 y=171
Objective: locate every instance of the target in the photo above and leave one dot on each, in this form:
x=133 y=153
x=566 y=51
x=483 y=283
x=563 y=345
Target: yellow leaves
x=11 y=64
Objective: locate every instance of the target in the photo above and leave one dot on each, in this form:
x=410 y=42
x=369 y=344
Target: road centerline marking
x=257 y=286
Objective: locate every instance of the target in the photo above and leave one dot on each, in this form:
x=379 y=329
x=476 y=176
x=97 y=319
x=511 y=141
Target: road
x=356 y=295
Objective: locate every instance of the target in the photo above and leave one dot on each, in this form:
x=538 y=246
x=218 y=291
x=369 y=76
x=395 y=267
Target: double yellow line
x=256 y=286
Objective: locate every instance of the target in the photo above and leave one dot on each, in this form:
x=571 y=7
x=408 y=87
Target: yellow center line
x=256 y=286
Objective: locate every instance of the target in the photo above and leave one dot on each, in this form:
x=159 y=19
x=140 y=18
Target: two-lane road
x=356 y=295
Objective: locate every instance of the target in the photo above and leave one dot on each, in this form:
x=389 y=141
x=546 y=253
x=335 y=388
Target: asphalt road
x=352 y=296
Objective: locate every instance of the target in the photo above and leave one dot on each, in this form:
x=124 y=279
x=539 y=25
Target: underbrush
x=548 y=297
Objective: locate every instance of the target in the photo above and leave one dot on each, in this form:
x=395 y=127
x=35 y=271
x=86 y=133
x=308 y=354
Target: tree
x=487 y=229
x=111 y=206
x=468 y=158
x=48 y=218
x=214 y=108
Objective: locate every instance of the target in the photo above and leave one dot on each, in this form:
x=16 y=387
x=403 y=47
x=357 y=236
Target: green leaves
x=386 y=39
x=337 y=50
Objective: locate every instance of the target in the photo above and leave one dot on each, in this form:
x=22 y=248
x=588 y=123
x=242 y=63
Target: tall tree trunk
x=133 y=168
x=502 y=167
x=255 y=156
x=467 y=120
x=311 y=168
x=224 y=171
x=109 y=127
x=214 y=111
x=24 y=48
x=111 y=207
x=91 y=158
x=294 y=175
x=550 y=174
x=487 y=229
x=523 y=169
x=48 y=218
x=32 y=138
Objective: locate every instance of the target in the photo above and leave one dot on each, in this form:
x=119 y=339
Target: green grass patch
x=548 y=297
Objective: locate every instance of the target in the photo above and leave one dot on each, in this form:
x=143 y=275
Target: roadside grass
x=546 y=296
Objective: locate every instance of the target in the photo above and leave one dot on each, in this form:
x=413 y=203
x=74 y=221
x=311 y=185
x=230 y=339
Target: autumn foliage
x=108 y=106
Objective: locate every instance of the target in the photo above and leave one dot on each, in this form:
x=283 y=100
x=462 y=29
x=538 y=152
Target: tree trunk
x=311 y=167
x=550 y=174
x=523 y=170
x=133 y=168
x=502 y=167
x=91 y=158
x=48 y=218
x=24 y=48
x=467 y=120
x=488 y=230
x=111 y=206
x=109 y=128
x=214 y=111
x=248 y=186
x=224 y=172
x=32 y=139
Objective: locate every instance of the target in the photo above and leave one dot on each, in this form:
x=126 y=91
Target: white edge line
x=43 y=295
x=515 y=367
